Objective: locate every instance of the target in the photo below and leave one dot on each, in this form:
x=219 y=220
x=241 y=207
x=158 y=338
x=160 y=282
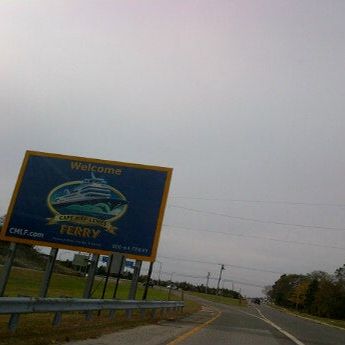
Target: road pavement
x=221 y=324
x=308 y=332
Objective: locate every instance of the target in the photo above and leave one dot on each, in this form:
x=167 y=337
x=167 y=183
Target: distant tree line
x=196 y=288
x=317 y=293
x=179 y=285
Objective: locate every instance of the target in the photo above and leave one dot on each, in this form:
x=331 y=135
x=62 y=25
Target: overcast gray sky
x=244 y=99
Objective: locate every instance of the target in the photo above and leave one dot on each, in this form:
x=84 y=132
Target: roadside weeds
x=36 y=329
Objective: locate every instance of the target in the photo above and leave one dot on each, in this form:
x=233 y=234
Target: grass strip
x=221 y=299
x=36 y=329
x=322 y=320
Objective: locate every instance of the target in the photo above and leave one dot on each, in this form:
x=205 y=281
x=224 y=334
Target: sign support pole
x=107 y=276
x=91 y=276
x=118 y=277
x=148 y=280
x=7 y=267
x=134 y=283
x=48 y=272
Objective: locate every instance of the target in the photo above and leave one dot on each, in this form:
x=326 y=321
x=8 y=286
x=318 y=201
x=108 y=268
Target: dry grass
x=323 y=320
x=221 y=299
x=37 y=329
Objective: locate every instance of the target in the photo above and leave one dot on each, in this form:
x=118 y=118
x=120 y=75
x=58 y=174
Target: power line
x=185 y=275
x=217 y=263
x=258 y=220
x=293 y=203
x=257 y=237
x=214 y=278
x=243 y=283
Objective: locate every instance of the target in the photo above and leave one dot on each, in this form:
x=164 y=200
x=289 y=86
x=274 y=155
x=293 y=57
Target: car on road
x=257 y=301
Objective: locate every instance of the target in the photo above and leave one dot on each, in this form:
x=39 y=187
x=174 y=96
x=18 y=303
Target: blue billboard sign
x=88 y=205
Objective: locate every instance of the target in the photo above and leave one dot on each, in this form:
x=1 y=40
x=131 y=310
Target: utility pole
x=171 y=285
x=207 y=280
x=171 y=275
x=220 y=276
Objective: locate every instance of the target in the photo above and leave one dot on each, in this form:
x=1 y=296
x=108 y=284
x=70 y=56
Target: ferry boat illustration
x=91 y=192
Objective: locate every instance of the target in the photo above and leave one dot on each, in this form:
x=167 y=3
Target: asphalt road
x=308 y=332
x=263 y=325
x=239 y=326
x=220 y=324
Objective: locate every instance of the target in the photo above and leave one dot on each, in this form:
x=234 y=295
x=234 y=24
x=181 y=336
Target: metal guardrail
x=26 y=305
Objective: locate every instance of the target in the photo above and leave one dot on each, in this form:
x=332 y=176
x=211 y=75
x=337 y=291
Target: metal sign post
x=110 y=261
x=48 y=272
x=91 y=276
x=7 y=268
x=148 y=280
x=107 y=275
x=134 y=283
x=118 y=276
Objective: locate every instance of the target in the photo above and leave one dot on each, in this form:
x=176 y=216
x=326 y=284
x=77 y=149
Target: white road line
x=287 y=334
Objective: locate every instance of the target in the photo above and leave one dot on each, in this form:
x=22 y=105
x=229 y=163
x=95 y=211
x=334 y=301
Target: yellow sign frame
x=157 y=233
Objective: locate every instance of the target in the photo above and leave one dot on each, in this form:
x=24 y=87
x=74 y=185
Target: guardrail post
x=153 y=313
x=161 y=312
x=112 y=314
x=88 y=315
x=57 y=318
x=7 y=267
x=142 y=313
x=129 y=314
x=13 y=322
